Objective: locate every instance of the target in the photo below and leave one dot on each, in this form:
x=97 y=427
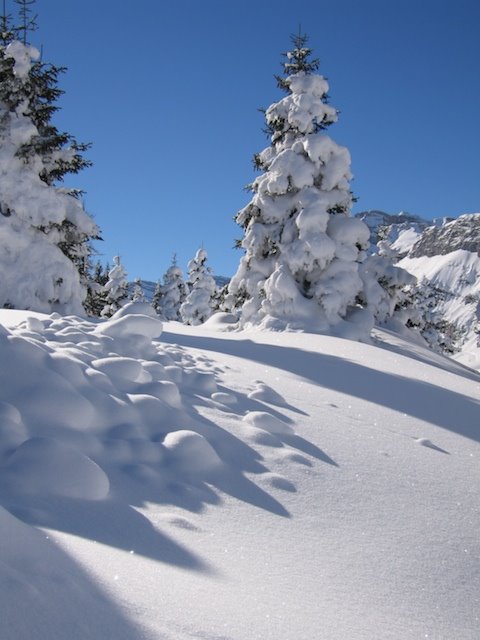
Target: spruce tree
x=302 y=248
x=138 y=295
x=116 y=288
x=385 y=286
x=28 y=92
x=173 y=292
x=97 y=295
x=198 y=305
x=157 y=298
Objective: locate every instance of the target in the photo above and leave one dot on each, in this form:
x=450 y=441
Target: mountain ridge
x=444 y=256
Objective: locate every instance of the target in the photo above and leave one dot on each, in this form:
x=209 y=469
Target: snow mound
x=268 y=422
x=132 y=324
x=12 y=430
x=46 y=466
x=201 y=383
x=119 y=368
x=135 y=308
x=264 y=393
x=191 y=452
x=166 y=391
x=222 y=321
x=224 y=398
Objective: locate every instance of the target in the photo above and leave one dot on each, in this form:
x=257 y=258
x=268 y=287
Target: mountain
x=462 y=233
x=392 y=227
x=169 y=482
x=444 y=256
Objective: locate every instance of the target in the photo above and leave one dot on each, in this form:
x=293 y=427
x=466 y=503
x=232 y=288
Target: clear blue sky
x=168 y=92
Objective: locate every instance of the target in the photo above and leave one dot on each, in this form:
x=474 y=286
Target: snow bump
x=268 y=422
x=47 y=466
x=191 y=453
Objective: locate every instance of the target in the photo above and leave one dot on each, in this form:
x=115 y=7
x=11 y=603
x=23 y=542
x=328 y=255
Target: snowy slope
x=206 y=483
x=401 y=230
x=445 y=254
x=455 y=278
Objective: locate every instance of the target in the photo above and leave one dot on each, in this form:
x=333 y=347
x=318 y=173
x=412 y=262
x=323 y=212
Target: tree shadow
x=111 y=522
x=193 y=491
x=46 y=594
x=423 y=400
x=299 y=443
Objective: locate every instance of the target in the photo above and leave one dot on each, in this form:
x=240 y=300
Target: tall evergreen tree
x=157 y=298
x=138 y=294
x=173 y=292
x=116 y=288
x=97 y=295
x=302 y=248
x=29 y=91
x=28 y=22
x=198 y=305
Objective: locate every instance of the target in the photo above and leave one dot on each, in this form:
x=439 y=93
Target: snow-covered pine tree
x=137 y=294
x=97 y=295
x=385 y=291
x=173 y=292
x=116 y=288
x=421 y=314
x=42 y=156
x=198 y=305
x=157 y=297
x=302 y=248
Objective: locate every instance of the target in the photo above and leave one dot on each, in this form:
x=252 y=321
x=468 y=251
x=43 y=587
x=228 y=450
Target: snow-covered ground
x=203 y=483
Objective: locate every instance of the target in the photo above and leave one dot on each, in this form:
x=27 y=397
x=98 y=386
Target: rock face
x=416 y=237
x=461 y=233
x=444 y=256
x=391 y=227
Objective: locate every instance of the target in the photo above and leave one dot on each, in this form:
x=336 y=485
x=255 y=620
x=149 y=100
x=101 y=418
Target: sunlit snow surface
x=196 y=482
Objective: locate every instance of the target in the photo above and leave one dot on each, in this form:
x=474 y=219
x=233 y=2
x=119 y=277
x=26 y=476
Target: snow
x=199 y=302
x=22 y=57
x=116 y=288
x=405 y=240
x=44 y=465
x=455 y=277
x=267 y=422
x=175 y=482
x=191 y=453
x=36 y=274
x=303 y=251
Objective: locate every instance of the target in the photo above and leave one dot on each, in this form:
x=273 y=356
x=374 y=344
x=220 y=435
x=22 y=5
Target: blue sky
x=168 y=93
